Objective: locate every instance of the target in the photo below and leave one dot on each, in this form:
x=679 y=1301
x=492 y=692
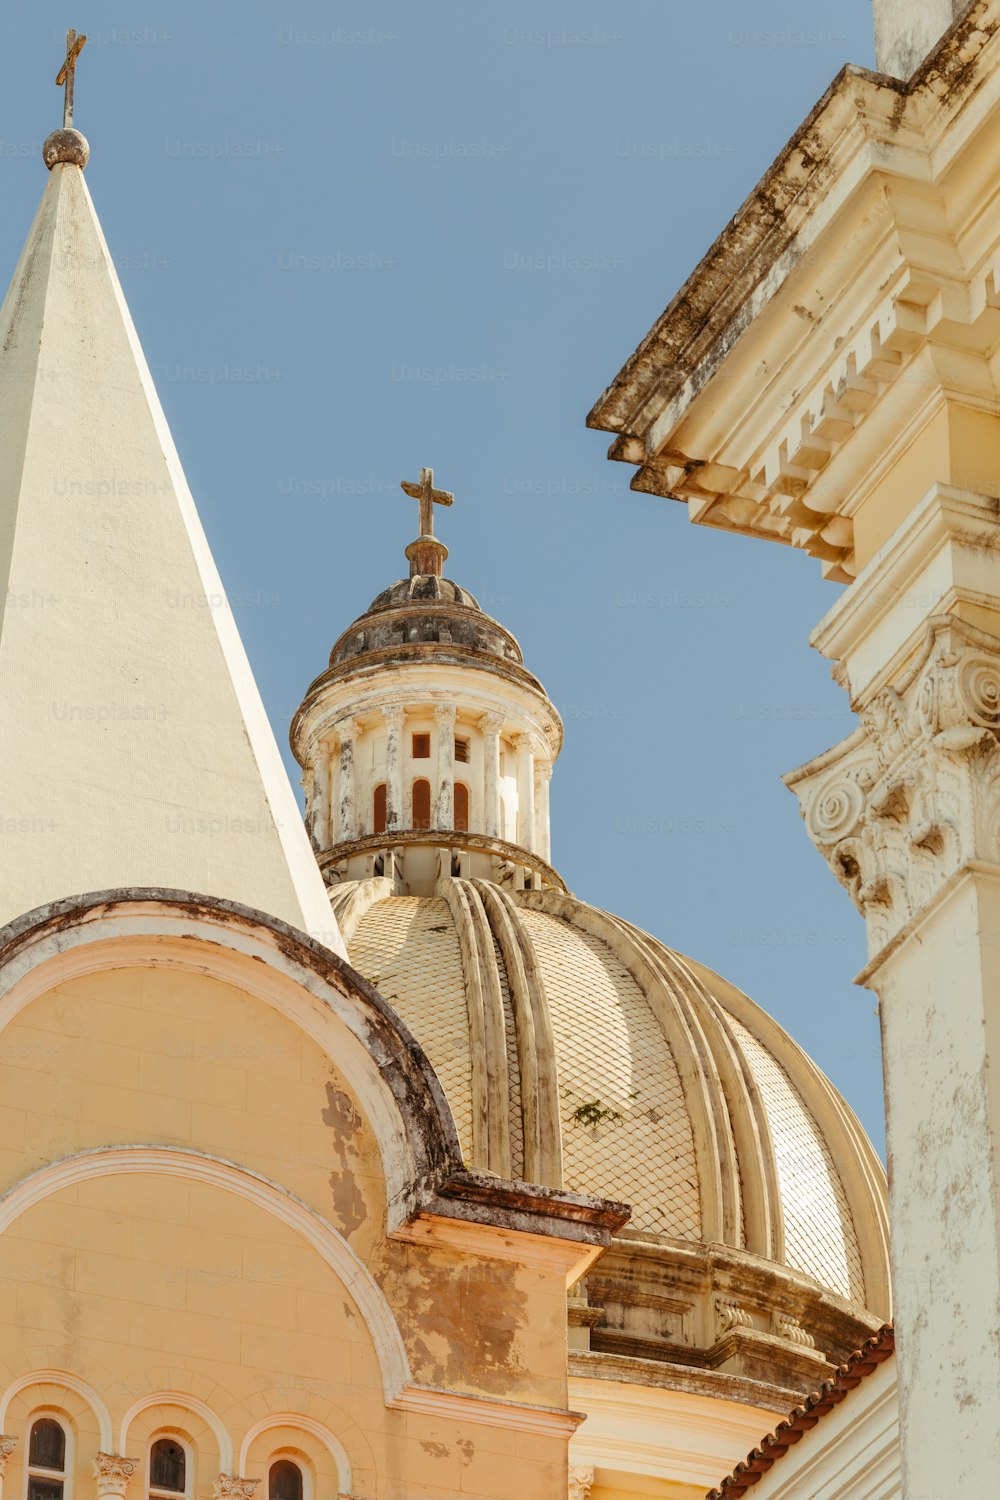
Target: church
x=353 y=1156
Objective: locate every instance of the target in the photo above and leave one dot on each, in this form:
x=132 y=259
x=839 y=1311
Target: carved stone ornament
x=913 y=795
x=7 y=1446
x=730 y=1315
x=581 y=1482
x=790 y=1329
x=233 y=1487
x=113 y=1472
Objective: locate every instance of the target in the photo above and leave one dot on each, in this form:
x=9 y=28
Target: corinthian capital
x=113 y=1472
x=581 y=1482
x=7 y=1446
x=914 y=793
x=233 y=1487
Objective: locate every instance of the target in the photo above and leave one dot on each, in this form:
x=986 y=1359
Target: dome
x=425 y=610
x=578 y=1052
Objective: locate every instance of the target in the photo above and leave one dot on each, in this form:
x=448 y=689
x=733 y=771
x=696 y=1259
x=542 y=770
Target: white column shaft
x=394 y=768
x=543 y=836
x=320 y=821
x=525 y=793
x=491 y=727
x=347 y=811
x=444 y=790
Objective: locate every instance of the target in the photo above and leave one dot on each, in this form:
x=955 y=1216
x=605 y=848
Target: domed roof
x=425 y=609
x=577 y=1051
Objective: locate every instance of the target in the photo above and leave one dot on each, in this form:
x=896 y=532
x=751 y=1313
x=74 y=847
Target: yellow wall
x=137 y=1284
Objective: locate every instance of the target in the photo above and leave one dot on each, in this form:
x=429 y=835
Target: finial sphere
x=66 y=145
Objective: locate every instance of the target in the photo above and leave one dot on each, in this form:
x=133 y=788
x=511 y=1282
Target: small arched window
x=167 y=1469
x=47 y=1460
x=284 y=1480
x=461 y=807
x=379 y=808
x=421 y=804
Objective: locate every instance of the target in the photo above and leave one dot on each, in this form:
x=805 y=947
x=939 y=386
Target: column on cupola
x=347 y=814
x=543 y=836
x=319 y=823
x=394 y=717
x=491 y=725
x=906 y=811
x=113 y=1473
x=444 y=788
x=524 y=745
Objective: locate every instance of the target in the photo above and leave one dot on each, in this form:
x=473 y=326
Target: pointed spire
x=134 y=747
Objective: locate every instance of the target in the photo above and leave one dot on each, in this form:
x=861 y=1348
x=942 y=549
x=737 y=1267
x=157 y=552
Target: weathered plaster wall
x=135 y=1282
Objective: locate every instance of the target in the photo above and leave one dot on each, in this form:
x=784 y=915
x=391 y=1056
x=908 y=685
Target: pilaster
x=906 y=811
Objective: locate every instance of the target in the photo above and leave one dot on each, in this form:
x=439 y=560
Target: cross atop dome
x=426 y=555
x=428 y=496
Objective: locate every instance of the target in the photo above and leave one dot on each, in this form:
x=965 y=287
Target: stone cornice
x=819 y=318
x=442 y=838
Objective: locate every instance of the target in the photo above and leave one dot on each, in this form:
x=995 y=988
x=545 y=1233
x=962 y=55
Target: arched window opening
x=379 y=801
x=167 y=1468
x=421 y=804
x=461 y=807
x=284 y=1480
x=47 y=1460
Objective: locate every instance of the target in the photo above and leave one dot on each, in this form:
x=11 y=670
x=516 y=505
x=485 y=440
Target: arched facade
x=232 y=1201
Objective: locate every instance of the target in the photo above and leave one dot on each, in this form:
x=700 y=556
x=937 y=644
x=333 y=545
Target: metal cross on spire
x=67 y=73
x=428 y=497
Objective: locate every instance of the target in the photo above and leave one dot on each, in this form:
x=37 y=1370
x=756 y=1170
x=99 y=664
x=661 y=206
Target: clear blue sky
x=360 y=238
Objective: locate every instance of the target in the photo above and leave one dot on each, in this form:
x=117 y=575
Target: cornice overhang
x=843 y=298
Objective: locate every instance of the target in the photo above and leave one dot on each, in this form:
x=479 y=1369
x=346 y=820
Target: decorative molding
x=440 y=838
x=315 y=1429
x=233 y=1487
x=113 y=1472
x=581 y=1482
x=453 y=1406
x=914 y=795
x=69 y=1382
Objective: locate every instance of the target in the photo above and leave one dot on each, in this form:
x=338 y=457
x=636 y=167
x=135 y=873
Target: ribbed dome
x=577 y=1051
x=425 y=609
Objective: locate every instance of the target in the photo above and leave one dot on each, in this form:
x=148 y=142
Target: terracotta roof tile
x=874 y=1352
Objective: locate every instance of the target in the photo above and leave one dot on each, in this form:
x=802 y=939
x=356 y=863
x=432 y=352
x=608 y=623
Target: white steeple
x=134 y=747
